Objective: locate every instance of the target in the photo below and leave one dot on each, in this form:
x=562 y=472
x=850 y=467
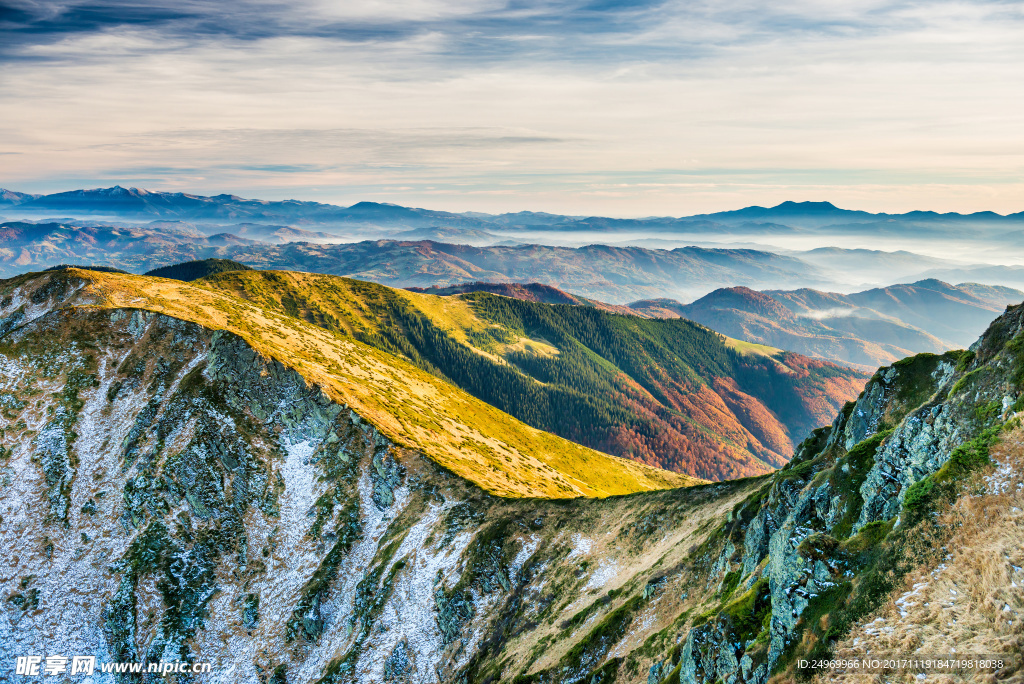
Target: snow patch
x=409 y=614
x=605 y=572
x=580 y=546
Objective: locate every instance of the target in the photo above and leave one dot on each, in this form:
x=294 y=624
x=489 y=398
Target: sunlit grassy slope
x=412 y=407
x=668 y=393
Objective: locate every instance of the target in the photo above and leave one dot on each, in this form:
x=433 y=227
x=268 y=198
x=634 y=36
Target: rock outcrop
x=846 y=488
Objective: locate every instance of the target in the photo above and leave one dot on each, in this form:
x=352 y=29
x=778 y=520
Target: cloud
x=586 y=106
x=825 y=314
x=601 y=30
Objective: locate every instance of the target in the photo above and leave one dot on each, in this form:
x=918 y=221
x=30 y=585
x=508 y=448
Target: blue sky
x=617 y=108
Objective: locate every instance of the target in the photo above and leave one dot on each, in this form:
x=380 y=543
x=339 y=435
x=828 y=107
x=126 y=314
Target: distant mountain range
x=819 y=214
x=875 y=265
x=459 y=236
x=862 y=329
x=618 y=274
x=761 y=296
x=615 y=274
x=865 y=329
x=263 y=232
x=11 y=198
x=137 y=203
x=950 y=312
x=785 y=217
x=139 y=230
x=28 y=246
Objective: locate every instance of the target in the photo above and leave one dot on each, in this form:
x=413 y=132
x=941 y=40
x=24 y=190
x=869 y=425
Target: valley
x=861 y=329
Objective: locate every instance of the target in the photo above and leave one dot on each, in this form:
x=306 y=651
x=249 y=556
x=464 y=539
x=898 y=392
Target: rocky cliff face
x=170 y=494
x=816 y=538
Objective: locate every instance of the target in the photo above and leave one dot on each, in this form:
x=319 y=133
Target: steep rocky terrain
x=206 y=501
x=173 y=493
x=860 y=511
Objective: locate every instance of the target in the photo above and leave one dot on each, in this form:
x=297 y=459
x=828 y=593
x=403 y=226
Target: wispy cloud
x=626 y=107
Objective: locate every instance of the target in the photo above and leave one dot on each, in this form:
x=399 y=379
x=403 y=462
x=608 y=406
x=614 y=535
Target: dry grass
x=666 y=552
x=751 y=348
x=411 y=407
x=972 y=600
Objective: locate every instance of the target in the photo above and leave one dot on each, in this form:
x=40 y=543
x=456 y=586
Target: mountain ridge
x=810 y=213
x=427 y=416
x=860 y=329
x=666 y=393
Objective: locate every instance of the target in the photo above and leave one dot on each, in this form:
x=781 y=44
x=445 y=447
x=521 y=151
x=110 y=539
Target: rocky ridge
x=815 y=548
x=208 y=503
x=174 y=494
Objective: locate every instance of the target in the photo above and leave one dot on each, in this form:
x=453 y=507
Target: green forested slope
x=669 y=393
x=194 y=270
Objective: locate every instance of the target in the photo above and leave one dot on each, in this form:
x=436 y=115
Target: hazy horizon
x=300 y=198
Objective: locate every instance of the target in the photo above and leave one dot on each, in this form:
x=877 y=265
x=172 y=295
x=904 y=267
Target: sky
x=619 y=108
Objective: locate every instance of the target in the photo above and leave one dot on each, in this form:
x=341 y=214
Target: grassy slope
x=667 y=393
x=536 y=292
x=410 y=406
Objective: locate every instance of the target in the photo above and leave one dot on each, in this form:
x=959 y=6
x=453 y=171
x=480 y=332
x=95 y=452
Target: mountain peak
x=366 y=204
x=808 y=206
x=934 y=283
x=14 y=197
x=121 y=191
x=740 y=298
